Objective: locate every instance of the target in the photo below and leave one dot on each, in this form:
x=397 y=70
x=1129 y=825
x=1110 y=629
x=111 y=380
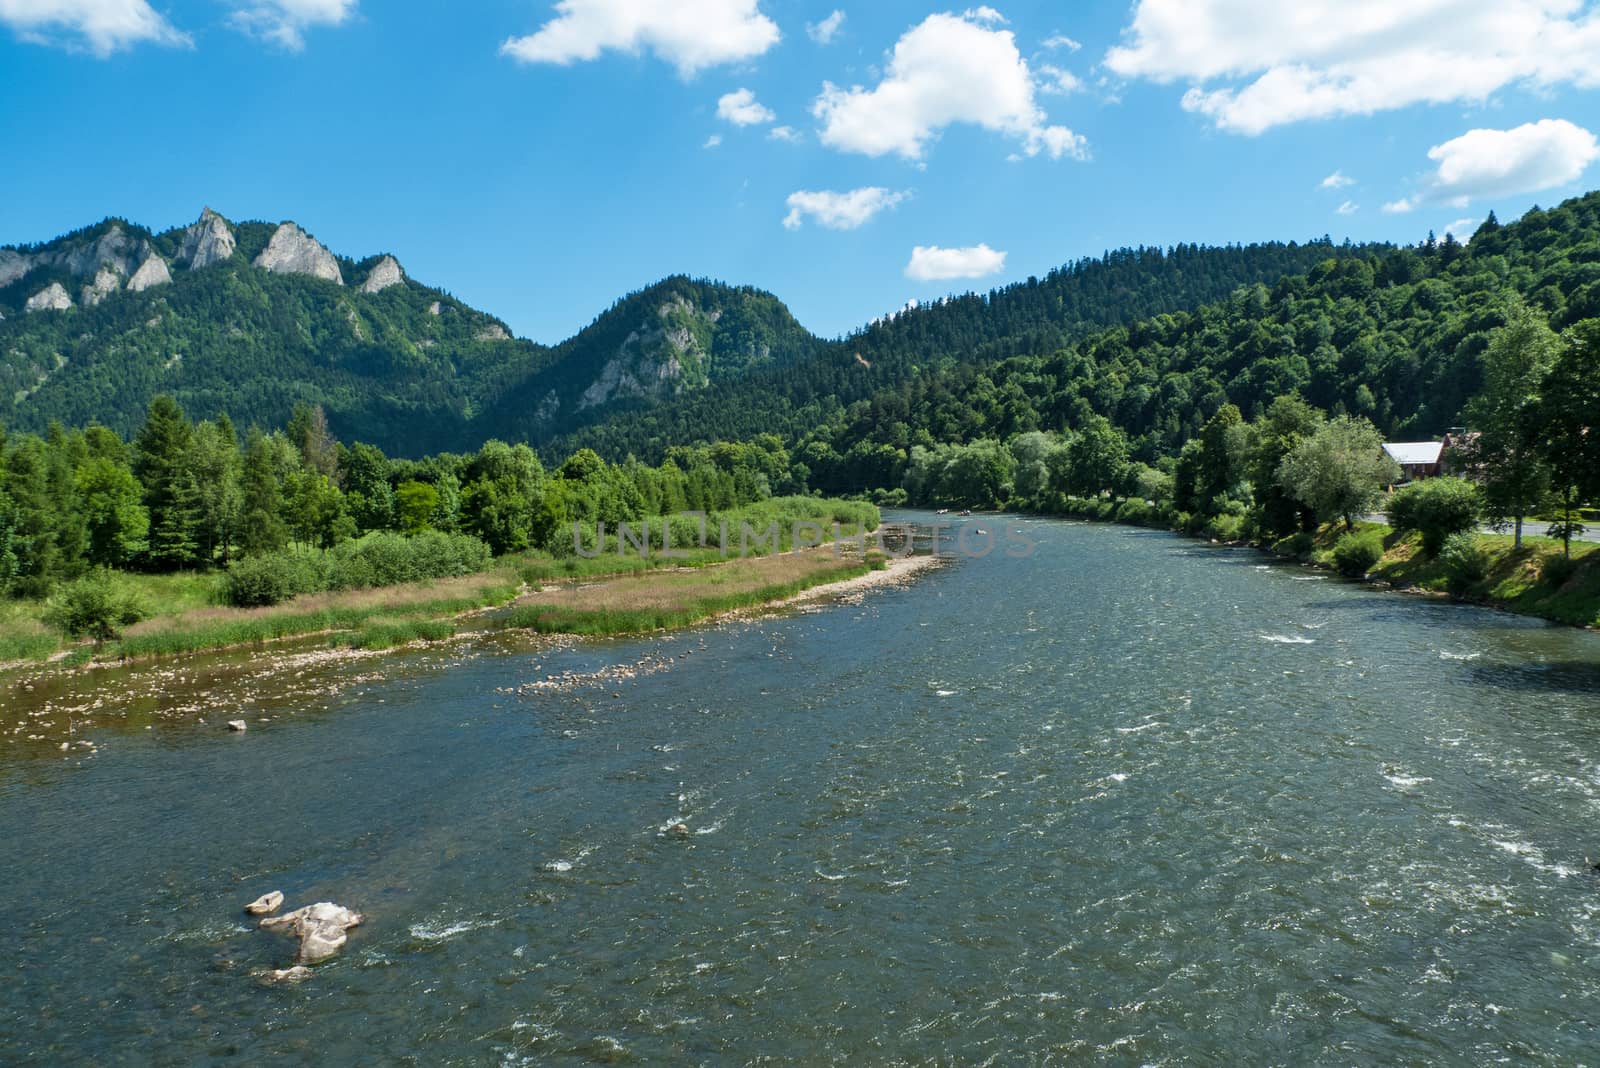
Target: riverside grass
x=188 y=614
x=663 y=600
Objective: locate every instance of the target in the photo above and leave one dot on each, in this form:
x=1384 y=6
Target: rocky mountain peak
x=107 y=281
x=207 y=241
x=384 y=274
x=293 y=251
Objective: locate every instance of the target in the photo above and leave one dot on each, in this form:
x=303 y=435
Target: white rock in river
x=321 y=929
x=293 y=251
x=206 y=242
x=267 y=903
x=238 y=725
x=298 y=974
x=386 y=273
x=151 y=273
x=52 y=298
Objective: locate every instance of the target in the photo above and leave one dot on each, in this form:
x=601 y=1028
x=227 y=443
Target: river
x=1128 y=797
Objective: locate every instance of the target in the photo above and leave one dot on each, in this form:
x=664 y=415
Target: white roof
x=1415 y=452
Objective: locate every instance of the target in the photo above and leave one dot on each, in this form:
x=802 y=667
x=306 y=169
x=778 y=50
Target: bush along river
x=1125 y=797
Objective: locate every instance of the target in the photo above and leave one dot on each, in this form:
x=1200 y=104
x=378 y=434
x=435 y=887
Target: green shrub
x=1465 y=562
x=1358 y=553
x=1226 y=527
x=96 y=606
x=261 y=581
x=1557 y=571
x=1437 y=508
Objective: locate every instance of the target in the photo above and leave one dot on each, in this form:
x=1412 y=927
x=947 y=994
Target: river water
x=1129 y=797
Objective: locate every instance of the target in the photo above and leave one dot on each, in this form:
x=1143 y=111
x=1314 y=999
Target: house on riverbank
x=1417 y=459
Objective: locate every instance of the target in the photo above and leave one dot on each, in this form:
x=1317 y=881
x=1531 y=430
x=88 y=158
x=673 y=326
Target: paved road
x=1530 y=529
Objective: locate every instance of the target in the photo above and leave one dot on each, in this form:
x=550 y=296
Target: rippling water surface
x=1130 y=796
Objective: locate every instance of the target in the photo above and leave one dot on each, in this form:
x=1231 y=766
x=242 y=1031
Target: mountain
x=252 y=318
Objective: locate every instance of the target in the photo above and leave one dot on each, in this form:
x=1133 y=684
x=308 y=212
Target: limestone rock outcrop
x=293 y=251
x=321 y=929
x=384 y=274
x=13 y=265
x=151 y=273
x=53 y=297
x=206 y=242
x=107 y=281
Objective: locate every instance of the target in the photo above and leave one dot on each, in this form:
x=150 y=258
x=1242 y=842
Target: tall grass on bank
x=639 y=605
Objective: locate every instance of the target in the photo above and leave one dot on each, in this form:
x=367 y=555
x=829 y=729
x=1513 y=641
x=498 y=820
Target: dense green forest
x=1395 y=335
x=183 y=496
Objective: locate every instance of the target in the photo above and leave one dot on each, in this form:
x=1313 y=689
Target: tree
x=414 y=505
x=118 y=523
x=1437 y=508
x=171 y=492
x=1340 y=470
x=261 y=526
x=214 y=460
x=1504 y=453
x=1287 y=422
x=1224 y=449
x=1099 y=459
x=1569 y=413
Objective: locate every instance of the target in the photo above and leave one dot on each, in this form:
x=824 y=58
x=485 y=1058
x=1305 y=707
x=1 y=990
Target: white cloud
x=1062 y=41
x=930 y=263
x=1526 y=159
x=839 y=211
x=741 y=108
x=784 y=133
x=1398 y=207
x=1055 y=80
x=692 y=37
x=285 y=21
x=985 y=14
x=713 y=141
x=1463 y=228
x=1349 y=207
x=824 y=31
x=1337 y=180
x=97 y=26
x=946 y=70
x=1281 y=62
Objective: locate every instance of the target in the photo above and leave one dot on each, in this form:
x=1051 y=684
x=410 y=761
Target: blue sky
x=541 y=159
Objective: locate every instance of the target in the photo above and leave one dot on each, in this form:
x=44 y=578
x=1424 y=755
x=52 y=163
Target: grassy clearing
x=1520 y=580
x=616 y=557
x=667 y=599
x=368 y=619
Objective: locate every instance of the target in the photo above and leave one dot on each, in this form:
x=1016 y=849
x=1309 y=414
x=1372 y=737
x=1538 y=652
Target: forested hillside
x=1395 y=335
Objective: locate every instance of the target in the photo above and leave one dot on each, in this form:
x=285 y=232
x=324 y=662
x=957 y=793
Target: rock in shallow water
x=238 y=725
x=321 y=929
x=266 y=904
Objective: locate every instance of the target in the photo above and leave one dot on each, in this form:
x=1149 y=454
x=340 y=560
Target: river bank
x=1521 y=581
x=54 y=707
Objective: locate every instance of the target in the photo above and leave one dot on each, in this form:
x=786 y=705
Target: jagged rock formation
x=435 y=308
x=151 y=273
x=52 y=298
x=13 y=265
x=206 y=242
x=106 y=282
x=114 y=249
x=493 y=332
x=386 y=273
x=652 y=360
x=293 y=251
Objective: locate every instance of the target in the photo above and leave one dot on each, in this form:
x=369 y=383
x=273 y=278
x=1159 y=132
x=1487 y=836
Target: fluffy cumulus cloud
x=1529 y=158
x=839 y=211
x=1337 y=180
x=692 y=37
x=930 y=263
x=823 y=32
x=1255 y=64
x=286 y=21
x=784 y=133
x=948 y=69
x=741 y=108
x=98 y=26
